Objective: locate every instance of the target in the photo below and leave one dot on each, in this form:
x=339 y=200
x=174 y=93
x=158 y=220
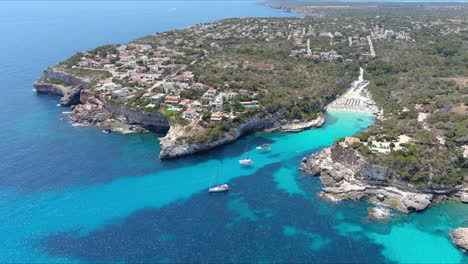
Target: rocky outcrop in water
x=70 y=90
x=345 y=174
x=460 y=238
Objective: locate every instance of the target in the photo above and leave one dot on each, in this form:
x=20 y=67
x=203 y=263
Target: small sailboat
x=218 y=187
x=264 y=147
x=246 y=162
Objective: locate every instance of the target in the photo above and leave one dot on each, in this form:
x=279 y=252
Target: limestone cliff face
x=49 y=88
x=171 y=148
x=155 y=122
x=297 y=125
x=70 y=91
x=346 y=174
x=95 y=110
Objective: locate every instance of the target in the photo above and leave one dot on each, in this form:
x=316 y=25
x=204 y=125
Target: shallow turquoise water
x=74 y=194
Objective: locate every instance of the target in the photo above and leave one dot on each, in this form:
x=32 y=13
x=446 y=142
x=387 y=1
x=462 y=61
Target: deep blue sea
x=74 y=194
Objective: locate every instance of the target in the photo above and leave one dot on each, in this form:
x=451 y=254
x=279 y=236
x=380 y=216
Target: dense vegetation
x=406 y=80
x=299 y=88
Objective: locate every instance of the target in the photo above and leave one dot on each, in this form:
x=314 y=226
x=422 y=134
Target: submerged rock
x=460 y=238
x=378 y=213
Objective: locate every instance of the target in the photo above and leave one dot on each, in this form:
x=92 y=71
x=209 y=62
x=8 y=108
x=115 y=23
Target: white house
x=110 y=86
x=198 y=86
x=157 y=98
x=217 y=104
x=190 y=113
x=124 y=92
x=169 y=86
x=389 y=33
x=210 y=94
x=196 y=105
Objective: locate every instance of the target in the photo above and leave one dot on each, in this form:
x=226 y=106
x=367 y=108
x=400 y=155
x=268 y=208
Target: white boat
x=265 y=147
x=219 y=188
x=106 y=131
x=246 y=161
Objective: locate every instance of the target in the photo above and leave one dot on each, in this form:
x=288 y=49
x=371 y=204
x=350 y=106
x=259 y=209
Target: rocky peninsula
x=93 y=109
x=205 y=86
x=346 y=174
x=171 y=147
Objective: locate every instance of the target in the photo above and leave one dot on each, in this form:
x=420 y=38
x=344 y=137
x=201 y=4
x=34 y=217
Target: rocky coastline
x=292 y=126
x=96 y=111
x=346 y=175
x=172 y=148
x=69 y=90
x=91 y=109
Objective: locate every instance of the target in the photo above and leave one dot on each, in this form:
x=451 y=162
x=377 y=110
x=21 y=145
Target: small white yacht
x=264 y=147
x=219 y=188
x=246 y=162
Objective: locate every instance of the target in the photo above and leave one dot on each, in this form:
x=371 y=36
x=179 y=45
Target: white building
x=190 y=113
x=110 y=86
x=124 y=92
x=157 y=98
x=210 y=94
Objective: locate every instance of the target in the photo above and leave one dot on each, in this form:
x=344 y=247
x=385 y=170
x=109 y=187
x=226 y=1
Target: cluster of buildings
x=330 y=43
x=380 y=145
x=137 y=67
x=382 y=34
x=356 y=35
x=141 y=72
x=154 y=70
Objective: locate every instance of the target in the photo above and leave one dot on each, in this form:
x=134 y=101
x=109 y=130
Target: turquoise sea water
x=74 y=194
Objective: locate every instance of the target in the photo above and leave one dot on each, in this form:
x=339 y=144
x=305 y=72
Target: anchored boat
x=264 y=147
x=218 y=187
x=246 y=162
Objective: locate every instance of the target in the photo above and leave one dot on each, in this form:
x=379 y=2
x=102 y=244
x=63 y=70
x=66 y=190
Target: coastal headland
x=416 y=153
x=209 y=84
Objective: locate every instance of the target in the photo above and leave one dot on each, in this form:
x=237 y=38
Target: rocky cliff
x=95 y=110
x=70 y=90
x=92 y=109
x=345 y=174
x=297 y=125
x=172 y=148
